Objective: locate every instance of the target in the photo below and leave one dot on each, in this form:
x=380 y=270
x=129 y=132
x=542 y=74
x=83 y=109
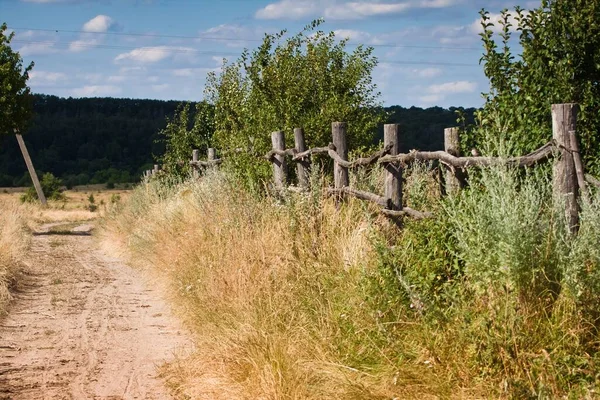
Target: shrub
x=51 y=187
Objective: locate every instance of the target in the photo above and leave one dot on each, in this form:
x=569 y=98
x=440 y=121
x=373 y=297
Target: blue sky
x=428 y=50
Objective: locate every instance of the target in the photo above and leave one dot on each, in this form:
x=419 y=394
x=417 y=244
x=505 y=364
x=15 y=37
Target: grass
x=74 y=208
x=13 y=244
x=297 y=298
x=276 y=293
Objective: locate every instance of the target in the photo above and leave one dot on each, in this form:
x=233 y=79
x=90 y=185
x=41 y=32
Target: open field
x=75 y=206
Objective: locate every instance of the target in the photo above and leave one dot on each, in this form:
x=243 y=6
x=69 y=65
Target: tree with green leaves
x=559 y=63
x=15 y=99
x=308 y=80
x=187 y=130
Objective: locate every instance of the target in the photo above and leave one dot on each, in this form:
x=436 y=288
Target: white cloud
x=426 y=72
x=161 y=88
x=431 y=98
x=288 y=9
x=128 y=70
x=359 y=36
x=91 y=78
x=116 y=78
x=32 y=49
x=96 y=91
x=358 y=10
x=47 y=1
x=434 y=94
x=99 y=24
x=452 y=87
x=84 y=44
x=36 y=42
x=388 y=72
x=152 y=54
x=46 y=78
x=193 y=72
x=93 y=36
x=233 y=35
x=62 y=1
x=346 y=10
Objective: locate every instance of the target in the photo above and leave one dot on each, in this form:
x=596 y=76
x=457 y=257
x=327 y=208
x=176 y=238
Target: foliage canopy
x=308 y=80
x=187 y=130
x=15 y=100
x=560 y=63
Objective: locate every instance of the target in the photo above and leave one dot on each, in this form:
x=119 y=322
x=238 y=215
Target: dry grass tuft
x=13 y=243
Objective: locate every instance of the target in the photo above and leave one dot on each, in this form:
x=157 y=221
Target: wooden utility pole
x=32 y=173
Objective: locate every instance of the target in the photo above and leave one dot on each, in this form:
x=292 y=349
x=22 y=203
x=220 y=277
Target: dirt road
x=85 y=326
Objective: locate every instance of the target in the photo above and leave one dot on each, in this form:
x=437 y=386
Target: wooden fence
x=569 y=181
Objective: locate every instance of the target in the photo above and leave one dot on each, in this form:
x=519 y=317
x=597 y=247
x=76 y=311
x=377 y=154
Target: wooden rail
x=569 y=179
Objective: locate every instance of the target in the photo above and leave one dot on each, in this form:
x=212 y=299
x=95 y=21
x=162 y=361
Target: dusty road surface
x=85 y=326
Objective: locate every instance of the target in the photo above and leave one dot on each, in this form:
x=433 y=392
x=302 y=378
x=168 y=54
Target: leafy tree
x=184 y=133
x=560 y=63
x=15 y=100
x=308 y=80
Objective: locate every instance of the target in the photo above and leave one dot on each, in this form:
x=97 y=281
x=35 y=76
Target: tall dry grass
x=277 y=292
x=295 y=298
x=13 y=244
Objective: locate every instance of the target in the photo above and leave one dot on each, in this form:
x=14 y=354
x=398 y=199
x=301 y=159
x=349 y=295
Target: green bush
x=51 y=187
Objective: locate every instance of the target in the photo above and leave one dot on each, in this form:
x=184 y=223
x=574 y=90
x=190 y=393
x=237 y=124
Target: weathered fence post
x=564 y=120
x=302 y=166
x=211 y=154
x=454 y=179
x=156 y=169
x=279 y=163
x=393 y=174
x=340 y=174
x=195 y=157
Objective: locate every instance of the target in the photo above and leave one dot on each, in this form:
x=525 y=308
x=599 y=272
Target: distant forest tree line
x=109 y=140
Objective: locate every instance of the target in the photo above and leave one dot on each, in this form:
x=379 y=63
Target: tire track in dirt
x=85 y=326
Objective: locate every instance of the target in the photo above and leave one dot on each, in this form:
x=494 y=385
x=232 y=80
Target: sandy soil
x=85 y=326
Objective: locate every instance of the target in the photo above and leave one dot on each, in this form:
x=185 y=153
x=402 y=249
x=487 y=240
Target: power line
x=176 y=50
x=221 y=38
x=145 y=49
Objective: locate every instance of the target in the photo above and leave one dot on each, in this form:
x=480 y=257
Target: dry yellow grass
x=74 y=208
x=13 y=244
x=275 y=294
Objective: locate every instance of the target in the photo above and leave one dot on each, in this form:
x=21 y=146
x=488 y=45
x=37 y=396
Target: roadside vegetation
x=13 y=244
x=292 y=297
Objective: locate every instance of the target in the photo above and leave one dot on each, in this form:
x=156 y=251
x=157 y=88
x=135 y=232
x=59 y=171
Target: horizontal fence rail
x=569 y=179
